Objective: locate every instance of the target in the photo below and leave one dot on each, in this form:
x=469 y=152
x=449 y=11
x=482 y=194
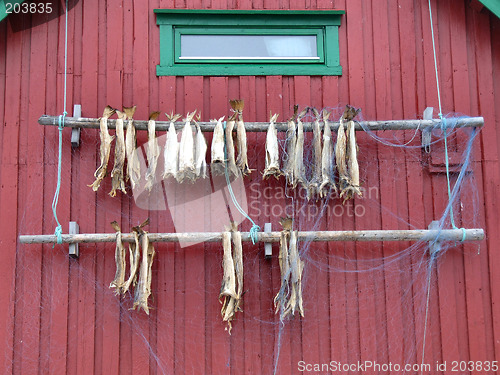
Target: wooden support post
x=93 y=123
x=74 y=250
x=427 y=133
x=315 y=236
x=75 y=132
x=268 y=247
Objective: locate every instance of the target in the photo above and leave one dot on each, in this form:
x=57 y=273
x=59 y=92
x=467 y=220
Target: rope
x=255 y=228
x=55 y=201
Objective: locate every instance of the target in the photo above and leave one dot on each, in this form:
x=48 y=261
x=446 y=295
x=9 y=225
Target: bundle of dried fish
x=242 y=159
x=119 y=281
x=200 y=154
x=218 y=162
x=281 y=299
x=232 y=169
x=327 y=181
x=117 y=182
x=299 y=171
x=171 y=152
x=143 y=288
x=346 y=156
x=153 y=152
x=272 y=152
x=105 y=148
x=186 y=151
x=291 y=141
x=133 y=164
x=353 y=187
x=316 y=178
x=296 y=268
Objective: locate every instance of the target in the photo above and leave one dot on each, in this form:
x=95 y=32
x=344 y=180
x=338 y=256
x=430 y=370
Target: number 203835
x=26 y=8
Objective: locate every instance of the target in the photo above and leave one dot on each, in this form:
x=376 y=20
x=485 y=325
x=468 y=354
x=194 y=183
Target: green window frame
x=174 y=23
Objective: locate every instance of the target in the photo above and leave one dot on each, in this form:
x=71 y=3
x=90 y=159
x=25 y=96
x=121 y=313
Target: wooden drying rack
x=433 y=235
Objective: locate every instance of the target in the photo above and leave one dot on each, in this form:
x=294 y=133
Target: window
x=248 y=42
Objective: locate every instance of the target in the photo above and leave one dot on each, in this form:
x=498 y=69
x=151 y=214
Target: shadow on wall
x=21 y=21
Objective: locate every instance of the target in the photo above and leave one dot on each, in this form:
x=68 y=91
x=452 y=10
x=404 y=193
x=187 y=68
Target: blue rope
x=55 y=201
x=255 y=228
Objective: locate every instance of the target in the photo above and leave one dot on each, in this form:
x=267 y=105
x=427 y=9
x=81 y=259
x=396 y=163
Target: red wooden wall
x=57 y=314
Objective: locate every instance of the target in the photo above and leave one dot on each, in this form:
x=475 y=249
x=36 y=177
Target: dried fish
x=238 y=263
x=299 y=168
x=153 y=152
x=105 y=148
x=171 y=153
x=117 y=182
x=281 y=299
x=134 y=258
x=200 y=154
x=315 y=182
x=143 y=288
x=228 y=288
x=242 y=159
x=327 y=182
x=353 y=187
x=272 y=152
x=119 y=281
x=340 y=156
x=186 y=151
x=347 y=160
x=232 y=169
x=296 y=267
x=218 y=162
x=291 y=141
x=133 y=164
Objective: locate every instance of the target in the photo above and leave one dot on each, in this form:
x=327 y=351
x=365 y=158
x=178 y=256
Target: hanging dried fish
x=153 y=152
x=186 y=151
x=291 y=141
x=105 y=148
x=134 y=256
x=340 y=156
x=238 y=263
x=327 y=182
x=346 y=156
x=232 y=169
x=315 y=182
x=353 y=187
x=242 y=159
x=200 y=153
x=117 y=182
x=281 y=299
x=143 y=288
x=218 y=162
x=296 y=267
x=272 y=152
x=171 y=153
x=133 y=164
x=119 y=281
x=299 y=172
x=228 y=288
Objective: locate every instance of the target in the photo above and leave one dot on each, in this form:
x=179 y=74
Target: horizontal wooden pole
x=93 y=123
x=361 y=235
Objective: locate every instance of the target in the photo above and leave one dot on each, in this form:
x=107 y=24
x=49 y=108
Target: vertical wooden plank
x=488 y=61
